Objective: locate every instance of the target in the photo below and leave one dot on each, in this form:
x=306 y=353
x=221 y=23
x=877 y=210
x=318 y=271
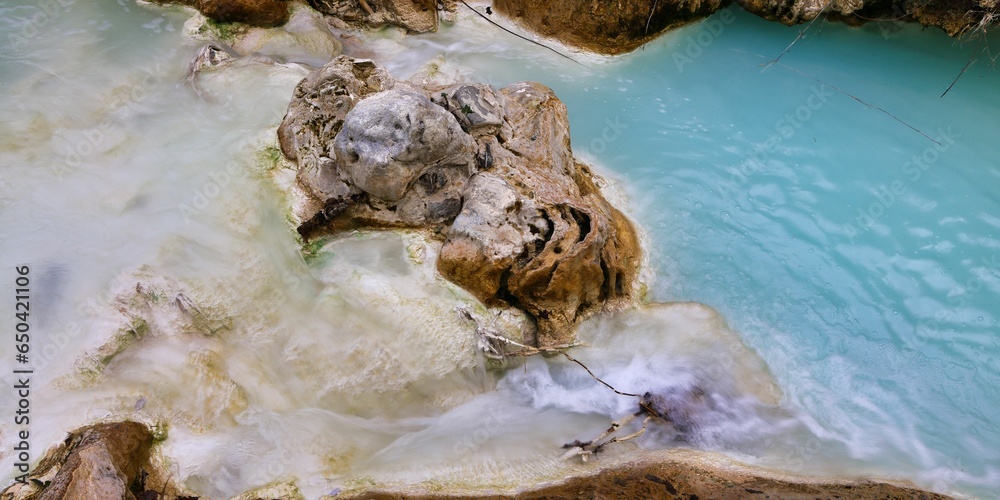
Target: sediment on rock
x=489 y=171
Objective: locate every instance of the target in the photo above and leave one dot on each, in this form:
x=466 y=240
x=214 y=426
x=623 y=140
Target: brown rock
x=263 y=13
x=535 y=231
x=491 y=171
x=97 y=462
x=605 y=26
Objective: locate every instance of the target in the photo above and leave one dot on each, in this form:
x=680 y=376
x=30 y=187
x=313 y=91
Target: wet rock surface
x=489 y=171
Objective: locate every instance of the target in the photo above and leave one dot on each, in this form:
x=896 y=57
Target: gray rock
x=485 y=112
x=391 y=139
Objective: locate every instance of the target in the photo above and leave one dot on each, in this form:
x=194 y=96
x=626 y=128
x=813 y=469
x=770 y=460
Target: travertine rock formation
x=491 y=171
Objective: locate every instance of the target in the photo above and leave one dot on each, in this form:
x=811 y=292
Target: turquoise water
x=868 y=281
x=865 y=279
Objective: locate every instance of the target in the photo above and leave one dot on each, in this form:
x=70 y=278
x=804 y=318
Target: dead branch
x=619 y=439
x=858 y=99
x=571 y=358
x=972 y=59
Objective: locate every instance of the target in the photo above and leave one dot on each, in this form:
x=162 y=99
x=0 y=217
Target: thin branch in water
x=972 y=59
x=480 y=14
x=862 y=101
x=571 y=358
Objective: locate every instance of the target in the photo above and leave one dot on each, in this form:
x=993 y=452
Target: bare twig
x=480 y=14
x=972 y=59
x=571 y=358
x=862 y=101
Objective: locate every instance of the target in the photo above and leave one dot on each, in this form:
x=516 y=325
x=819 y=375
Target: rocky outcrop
x=262 y=13
x=415 y=16
x=954 y=17
x=605 y=27
x=618 y=27
x=97 y=462
x=489 y=171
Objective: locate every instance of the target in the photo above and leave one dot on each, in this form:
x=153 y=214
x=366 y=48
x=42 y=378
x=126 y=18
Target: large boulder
x=605 y=27
x=489 y=172
x=399 y=144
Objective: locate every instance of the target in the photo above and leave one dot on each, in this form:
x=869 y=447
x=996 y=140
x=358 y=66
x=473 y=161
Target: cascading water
x=853 y=254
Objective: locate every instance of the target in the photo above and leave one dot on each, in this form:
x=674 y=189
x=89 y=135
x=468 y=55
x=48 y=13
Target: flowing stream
x=839 y=215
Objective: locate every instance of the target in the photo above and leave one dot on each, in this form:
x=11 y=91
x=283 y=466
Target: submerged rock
x=605 y=27
x=415 y=16
x=490 y=171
